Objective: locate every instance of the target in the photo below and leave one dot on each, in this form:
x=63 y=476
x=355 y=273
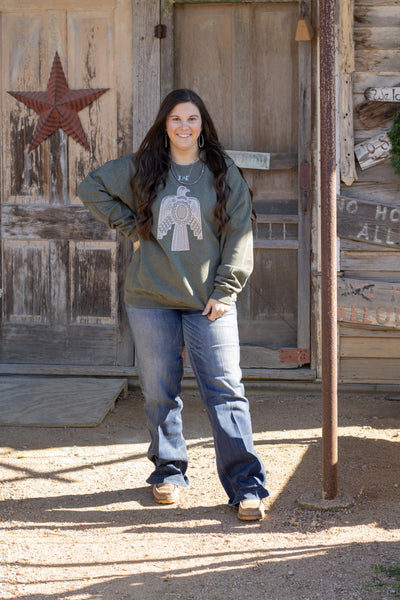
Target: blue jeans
x=160 y=336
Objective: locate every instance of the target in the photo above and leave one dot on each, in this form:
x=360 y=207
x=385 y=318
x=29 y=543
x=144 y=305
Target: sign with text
x=375 y=303
x=370 y=222
x=373 y=151
x=383 y=94
x=250 y=160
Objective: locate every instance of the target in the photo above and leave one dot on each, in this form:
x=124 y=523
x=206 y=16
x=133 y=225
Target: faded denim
x=213 y=350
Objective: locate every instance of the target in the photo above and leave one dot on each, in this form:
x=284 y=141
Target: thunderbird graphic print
x=179 y=212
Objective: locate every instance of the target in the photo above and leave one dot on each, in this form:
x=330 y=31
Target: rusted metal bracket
x=160 y=31
x=299 y=356
x=305 y=186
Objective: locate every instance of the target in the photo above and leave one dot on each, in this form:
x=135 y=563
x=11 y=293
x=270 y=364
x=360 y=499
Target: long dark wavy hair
x=153 y=161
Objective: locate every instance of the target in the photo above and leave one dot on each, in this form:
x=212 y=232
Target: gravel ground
x=78 y=521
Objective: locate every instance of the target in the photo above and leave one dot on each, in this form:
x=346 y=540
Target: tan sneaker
x=166 y=493
x=251 y=510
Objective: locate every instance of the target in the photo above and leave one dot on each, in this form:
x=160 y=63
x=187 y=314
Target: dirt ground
x=78 y=520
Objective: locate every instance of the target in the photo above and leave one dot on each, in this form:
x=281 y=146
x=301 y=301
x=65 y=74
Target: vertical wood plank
x=123 y=69
x=304 y=174
x=167 y=48
x=91 y=65
x=346 y=64
x=146 y=67
x=58 y=142
x=208 y=27
x=26 y=281
x=27 y=53
x=93 y=282
x=242 y=96
x=59 y=289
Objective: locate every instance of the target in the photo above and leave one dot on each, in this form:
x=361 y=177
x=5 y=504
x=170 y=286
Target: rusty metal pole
x=328 y=248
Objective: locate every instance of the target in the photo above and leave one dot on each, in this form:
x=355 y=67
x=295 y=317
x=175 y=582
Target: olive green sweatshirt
x=184 y=263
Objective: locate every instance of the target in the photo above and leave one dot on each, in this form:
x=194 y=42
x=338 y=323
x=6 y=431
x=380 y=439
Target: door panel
x=61 y=269
x=243 y=60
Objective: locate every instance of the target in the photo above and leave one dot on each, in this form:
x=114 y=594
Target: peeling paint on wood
x=369 y=303
x=371 y=222
x=62 y=287
x=373 y=151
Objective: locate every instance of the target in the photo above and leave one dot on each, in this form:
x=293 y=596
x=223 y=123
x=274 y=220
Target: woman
x=187 y=209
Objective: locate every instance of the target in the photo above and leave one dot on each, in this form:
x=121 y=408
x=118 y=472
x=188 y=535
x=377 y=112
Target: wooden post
x=304 y=175
x=348 y=172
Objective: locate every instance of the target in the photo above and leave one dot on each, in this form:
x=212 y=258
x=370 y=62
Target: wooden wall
x=369 y=343
x=62 y=271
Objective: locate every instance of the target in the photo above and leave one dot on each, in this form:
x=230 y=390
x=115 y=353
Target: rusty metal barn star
x=58 y=107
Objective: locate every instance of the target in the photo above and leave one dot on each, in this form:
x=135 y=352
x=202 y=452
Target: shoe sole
x=166 y=498
x=165 y=501
x=245 y=518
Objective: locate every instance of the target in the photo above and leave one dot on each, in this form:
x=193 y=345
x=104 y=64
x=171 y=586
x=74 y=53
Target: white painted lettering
x=376 y=239
x=385 y=144
x=388 y=240
x=352 y=207
x=394 y=215
x=363 y=233
x=380 y=212
x=341 y=204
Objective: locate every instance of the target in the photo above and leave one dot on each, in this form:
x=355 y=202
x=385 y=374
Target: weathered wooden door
x=60 y=270
x=242 y=58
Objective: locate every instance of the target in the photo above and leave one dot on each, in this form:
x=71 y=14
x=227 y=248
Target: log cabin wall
x=369 y=201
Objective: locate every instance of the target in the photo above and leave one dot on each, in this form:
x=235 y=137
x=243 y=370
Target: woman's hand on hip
x=215 y=308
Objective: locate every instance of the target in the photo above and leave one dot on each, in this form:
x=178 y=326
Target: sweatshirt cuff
x=222 y=296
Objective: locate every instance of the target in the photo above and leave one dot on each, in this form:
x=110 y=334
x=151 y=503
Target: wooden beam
x=62 y=222
x=346 y=61
x=304 y=185
x=146 y=67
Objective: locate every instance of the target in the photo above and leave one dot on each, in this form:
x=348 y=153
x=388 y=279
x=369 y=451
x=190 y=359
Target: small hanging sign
x=368 y=303
x=370 y=222
x=383 y=94
x=250 y=160
x=373 y=151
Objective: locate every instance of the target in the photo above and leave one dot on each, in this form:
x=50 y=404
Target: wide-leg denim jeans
x=160 y=336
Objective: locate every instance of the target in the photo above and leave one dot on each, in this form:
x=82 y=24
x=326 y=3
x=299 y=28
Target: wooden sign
x=383 y=94
x=373 y=151
x=375 y=303
x=250 y=160
x=370 y=222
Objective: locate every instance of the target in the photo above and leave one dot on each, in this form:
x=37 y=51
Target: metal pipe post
x=328 y=248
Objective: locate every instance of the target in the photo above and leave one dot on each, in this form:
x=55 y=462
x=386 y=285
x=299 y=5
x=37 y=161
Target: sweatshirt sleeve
x=107 y=193
x=236 y=242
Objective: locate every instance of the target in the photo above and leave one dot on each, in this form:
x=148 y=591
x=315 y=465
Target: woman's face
x=183 y=127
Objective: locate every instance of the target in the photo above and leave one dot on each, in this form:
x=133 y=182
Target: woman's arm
x=236 y=242
x=107 y=193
